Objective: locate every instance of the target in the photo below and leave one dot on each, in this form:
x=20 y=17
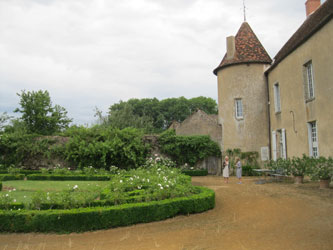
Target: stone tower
x=242 y=93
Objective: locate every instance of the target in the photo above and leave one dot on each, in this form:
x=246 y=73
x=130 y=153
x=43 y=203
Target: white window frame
x=239 y=111
x=309 y=81
x=313 y=139
x=274 y=156
x=281 y=144
x=277 y=98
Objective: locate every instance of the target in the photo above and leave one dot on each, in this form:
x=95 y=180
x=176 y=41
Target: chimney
x=311 y=6
x=231 y=47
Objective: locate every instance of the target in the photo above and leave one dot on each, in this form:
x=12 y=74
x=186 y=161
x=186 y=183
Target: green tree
x=4 y=118
x=160 y=114
x=38 y=114
x=125 y=117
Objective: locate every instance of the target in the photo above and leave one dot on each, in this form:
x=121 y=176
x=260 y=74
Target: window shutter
x=274 y=145
x=283 y=133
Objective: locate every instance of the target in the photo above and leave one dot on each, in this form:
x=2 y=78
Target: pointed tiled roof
x=311 y=25
x=248 y=49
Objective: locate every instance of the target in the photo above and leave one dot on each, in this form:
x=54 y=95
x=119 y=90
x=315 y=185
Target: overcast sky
x=93 y=53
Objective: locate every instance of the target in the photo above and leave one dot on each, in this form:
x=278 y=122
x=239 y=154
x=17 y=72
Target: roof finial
x=244 y=10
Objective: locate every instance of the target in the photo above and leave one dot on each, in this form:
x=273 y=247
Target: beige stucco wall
x=245 y=81
x=289 y=75
x=201 y=124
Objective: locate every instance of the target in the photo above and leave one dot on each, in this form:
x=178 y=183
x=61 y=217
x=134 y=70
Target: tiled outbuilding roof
x=248 y=49
x=311 y=25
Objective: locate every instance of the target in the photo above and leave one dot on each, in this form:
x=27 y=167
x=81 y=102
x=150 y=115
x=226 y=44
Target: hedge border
x=196 y=172
x=88 y=219
x=52 y=177
x=11 y=177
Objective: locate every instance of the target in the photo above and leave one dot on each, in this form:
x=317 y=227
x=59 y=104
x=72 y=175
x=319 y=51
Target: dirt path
x=247 y=216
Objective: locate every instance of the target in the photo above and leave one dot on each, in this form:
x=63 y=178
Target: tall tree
x=160 y=113
x=38 y=114
x=4 y=118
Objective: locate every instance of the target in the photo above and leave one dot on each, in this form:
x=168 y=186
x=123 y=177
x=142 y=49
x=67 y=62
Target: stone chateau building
x=281 y=107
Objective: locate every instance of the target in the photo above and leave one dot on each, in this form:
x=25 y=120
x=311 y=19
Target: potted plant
x=299 y=167
x=322 y=170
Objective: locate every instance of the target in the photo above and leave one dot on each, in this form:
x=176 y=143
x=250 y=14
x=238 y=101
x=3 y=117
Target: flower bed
x=86 y=219
x=153 y=192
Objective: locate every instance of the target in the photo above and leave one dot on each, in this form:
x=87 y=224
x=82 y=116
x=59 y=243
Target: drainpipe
x=269 y=116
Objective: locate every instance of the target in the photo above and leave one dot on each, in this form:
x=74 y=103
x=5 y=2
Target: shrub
x=321 y=168
x=187 y=149
x=102 y=148
x=248 y=170
x=0 y=186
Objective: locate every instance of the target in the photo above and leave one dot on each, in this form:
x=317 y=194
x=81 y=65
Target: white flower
x=139 y=187
x=7 y=195
x=159 y=184
x=158 y=158
x=24 y=196
x=156 y=155
x=161 y=187
x=14 y=189
x=19 y=209
x=131 y=179
x=75 y=187
x=167 y=186
x=121 y=181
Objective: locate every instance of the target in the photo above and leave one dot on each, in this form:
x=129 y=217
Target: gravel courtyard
x=247 y=216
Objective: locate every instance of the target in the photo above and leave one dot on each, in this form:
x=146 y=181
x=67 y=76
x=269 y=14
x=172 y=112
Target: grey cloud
x=89 y=53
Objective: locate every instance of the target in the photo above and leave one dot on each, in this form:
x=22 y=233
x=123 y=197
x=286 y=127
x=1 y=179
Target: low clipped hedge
x=86 y=219
x=0 y=186
x=22 y=171
x=196 y=172
x=11 y=177
x=53 y=177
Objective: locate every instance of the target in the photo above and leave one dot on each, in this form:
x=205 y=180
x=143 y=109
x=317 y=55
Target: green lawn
x=23 y=191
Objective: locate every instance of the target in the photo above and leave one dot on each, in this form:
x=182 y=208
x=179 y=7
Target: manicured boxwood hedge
x=196 y=172
x=53 y=177
x=86 y=219
x=11 y=177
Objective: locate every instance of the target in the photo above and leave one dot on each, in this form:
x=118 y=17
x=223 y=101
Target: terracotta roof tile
x=311 y=25
x=248 y=49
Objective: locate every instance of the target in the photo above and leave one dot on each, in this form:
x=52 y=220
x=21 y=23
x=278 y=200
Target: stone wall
x=200 y=123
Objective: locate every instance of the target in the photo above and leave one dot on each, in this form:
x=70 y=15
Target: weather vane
x=244 y=10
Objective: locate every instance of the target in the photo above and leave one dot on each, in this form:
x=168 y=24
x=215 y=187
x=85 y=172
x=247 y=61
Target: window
x=277 y=98
x=309 y=81
x=313 y=139
x=279 y=146
x=239 y=108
